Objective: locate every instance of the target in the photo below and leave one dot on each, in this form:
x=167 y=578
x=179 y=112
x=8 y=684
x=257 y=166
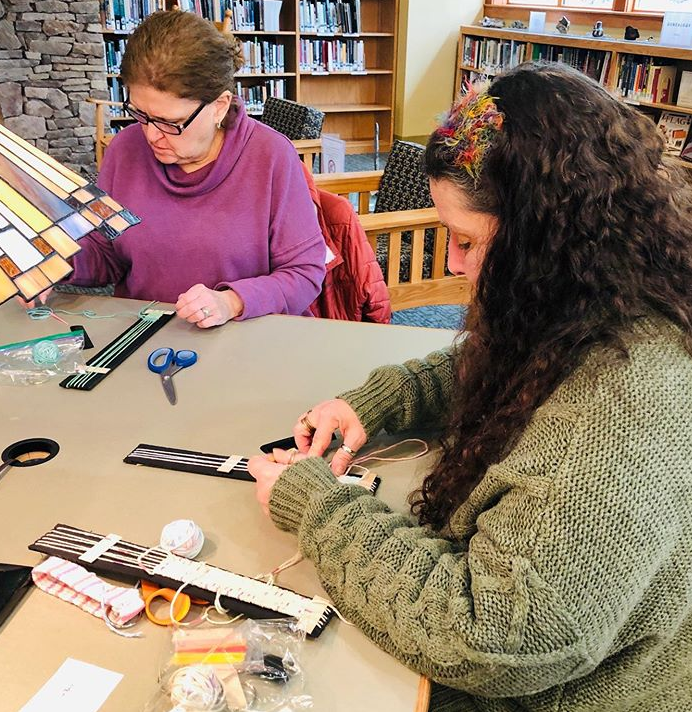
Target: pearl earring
x=218 y=125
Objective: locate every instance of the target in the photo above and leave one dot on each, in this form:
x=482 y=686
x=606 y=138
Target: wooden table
x=252 y=379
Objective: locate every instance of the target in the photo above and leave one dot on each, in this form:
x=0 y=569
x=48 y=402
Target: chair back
x=404 y=186
x=297 y=121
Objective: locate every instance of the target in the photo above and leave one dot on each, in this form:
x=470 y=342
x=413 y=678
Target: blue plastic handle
x=185 y=358
x=160 y=359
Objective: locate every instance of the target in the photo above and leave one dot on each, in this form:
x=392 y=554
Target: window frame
x=619 y=7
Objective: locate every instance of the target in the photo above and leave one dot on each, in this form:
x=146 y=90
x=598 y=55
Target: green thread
x=107 y=357
x=44 y=312
x=45 y=353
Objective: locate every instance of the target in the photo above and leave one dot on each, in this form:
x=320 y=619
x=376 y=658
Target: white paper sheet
x=75 y=687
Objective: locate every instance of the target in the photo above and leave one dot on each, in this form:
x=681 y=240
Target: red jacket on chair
x=353 y=288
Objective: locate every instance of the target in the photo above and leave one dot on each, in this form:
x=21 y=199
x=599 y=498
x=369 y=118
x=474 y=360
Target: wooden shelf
x=363 y=73
x=265 y=75
x=353 y=101
x=360 y=35
x=477 y=70
x=285 y=33
x=662 y=107
x=614 y=51
x=351 y=108
x=585 y=42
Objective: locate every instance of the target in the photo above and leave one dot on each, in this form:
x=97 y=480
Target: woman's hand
x=267 y=469
x=40 y=299
x=314 y=429
x=207 y=307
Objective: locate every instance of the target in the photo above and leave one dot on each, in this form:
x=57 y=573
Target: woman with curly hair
x=549 y=562
x=228 y=227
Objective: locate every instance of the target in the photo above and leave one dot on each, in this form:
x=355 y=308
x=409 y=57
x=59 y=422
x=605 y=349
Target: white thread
x=226 y=620
x=182 y=537
x=373 y=456
x=118 y=629
x=217 y=604
x=308 y=611
x=196 y=688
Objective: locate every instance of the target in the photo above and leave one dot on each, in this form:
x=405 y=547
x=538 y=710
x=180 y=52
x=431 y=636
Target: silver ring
x=206 y=311
x=348 y=450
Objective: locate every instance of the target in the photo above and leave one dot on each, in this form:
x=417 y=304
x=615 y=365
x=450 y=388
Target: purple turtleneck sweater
x=244 y=222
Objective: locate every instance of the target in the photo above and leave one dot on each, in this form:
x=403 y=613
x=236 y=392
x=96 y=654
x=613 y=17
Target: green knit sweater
x=566 y=581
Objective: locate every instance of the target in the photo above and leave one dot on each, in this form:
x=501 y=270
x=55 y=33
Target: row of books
x=332 y=56
x=254 y=96
x=209 y=9
x=330 y=16
x=126 y=14
x=492 y=56
x=593 y=63
x=249 y=15
x=115 y=91
x=263 y=57
x=645 y=79
x=113 y=54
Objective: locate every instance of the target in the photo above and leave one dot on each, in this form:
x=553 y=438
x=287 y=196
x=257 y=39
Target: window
x=663 y=5
x=643 y=6
x=586 y=4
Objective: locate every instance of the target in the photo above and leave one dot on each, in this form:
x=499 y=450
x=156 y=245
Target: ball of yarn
x=45 y=353
x=197 y=689
x=182 y=537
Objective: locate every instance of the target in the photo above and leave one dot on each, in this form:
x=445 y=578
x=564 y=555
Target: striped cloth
x=75 y=584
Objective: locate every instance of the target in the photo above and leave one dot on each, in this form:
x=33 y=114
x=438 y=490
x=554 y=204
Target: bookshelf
x=644 y=74
x=337 y=55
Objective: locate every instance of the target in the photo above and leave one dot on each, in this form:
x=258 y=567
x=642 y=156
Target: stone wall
x=51 y=60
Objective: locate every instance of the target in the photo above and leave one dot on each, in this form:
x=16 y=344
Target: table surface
x=251 y=381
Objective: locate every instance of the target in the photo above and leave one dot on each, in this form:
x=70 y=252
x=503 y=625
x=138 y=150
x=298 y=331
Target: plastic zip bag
x=28 y=363
x=253 y=665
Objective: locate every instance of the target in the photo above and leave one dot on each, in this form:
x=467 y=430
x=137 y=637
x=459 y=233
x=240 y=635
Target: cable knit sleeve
x=472 y=614
x=412 y=395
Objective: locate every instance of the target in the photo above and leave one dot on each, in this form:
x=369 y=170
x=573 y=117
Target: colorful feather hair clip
x=468 y=130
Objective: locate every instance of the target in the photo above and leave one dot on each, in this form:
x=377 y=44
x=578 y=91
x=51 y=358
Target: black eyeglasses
x=167 y=127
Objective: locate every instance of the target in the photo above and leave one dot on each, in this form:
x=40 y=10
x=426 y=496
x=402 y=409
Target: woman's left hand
x=206 y=307
x=267 y=469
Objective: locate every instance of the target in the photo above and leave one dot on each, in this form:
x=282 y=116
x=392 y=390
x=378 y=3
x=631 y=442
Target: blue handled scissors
x=167 y=362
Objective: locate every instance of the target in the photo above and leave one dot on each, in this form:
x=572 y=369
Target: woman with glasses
x=228 y=228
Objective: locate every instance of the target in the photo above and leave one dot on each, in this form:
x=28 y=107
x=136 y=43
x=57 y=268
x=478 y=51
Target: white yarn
x=197 y=689
x=182 y=537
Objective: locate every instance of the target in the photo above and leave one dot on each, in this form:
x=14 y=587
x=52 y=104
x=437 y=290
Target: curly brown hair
x=593 y=232
x=182 y=54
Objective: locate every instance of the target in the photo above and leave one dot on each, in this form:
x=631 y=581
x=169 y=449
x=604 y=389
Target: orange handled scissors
x=181 y=607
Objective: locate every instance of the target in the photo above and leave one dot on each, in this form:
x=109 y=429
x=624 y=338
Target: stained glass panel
x=39 y=195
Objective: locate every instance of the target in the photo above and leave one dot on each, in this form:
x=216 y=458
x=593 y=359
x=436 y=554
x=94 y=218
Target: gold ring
x=348 y=450
x=305 y=422
x=292 y=456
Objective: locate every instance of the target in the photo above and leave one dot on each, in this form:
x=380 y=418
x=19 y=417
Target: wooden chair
x=387 y=228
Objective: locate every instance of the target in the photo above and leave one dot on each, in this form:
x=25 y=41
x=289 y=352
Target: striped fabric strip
x=76 y=585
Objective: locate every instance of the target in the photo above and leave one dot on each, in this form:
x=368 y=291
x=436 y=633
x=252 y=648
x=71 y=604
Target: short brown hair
x=182 y=54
